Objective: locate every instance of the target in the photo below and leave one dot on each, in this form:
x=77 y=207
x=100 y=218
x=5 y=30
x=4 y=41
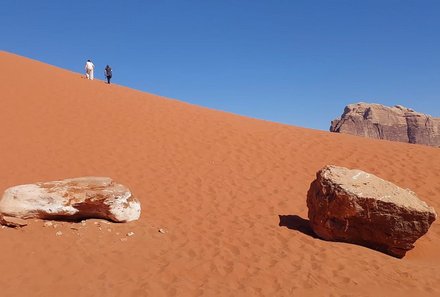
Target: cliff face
x=395 y=123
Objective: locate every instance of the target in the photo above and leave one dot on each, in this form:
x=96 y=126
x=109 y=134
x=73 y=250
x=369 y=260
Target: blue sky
x=294 y=62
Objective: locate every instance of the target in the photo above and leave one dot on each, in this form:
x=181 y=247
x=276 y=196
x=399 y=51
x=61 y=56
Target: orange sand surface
x=229 y=191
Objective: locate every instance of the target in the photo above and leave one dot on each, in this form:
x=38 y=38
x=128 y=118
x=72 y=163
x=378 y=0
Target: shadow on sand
x=297 y=223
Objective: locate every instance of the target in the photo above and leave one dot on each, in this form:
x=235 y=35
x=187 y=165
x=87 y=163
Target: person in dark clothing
x=108 y=73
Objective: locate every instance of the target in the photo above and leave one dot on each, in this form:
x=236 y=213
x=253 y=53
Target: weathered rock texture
x=358 y=207
x=396 y=123
x=71 y=199
x=12 y=221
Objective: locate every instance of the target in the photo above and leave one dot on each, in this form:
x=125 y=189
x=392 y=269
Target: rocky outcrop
x=12 y=221
x=71 y=199
x=396 y=123
x=358 y=207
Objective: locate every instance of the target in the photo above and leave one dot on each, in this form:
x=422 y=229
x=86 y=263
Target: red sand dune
x=217 y=183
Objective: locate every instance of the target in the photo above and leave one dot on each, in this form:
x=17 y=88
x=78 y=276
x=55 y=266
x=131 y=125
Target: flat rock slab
x=71 y=199
x=358 y=207
x=12 y=221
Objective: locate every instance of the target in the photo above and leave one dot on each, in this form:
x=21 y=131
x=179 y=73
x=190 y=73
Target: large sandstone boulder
x=358 y=207
x=71 y=199
x=396 y=123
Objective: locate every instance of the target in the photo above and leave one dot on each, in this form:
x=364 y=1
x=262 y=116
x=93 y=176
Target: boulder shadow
x=297 y=223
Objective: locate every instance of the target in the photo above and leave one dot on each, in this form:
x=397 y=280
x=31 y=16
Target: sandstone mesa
x=396 y=123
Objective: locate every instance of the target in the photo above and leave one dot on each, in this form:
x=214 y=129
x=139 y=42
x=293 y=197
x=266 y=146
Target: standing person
x=90 y=67
x=108 y=73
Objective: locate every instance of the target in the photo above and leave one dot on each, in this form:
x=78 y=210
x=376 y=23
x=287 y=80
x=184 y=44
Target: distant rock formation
x=358 y=207
x=396 y=123
x=70 y=199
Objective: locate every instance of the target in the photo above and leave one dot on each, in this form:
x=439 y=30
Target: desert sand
x=228 y=191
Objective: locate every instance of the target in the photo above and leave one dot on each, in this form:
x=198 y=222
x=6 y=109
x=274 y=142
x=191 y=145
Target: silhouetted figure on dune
x=108 y=73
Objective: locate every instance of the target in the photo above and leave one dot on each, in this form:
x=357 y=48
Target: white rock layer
x=72 y=199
